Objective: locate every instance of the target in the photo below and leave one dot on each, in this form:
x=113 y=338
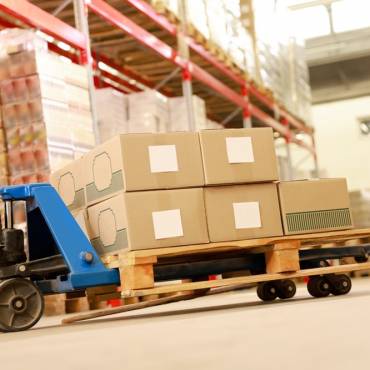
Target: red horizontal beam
x=271 y=104
x=162 y=21
x=35 y=17
x=264 y=117
x=116 y=18
x=151 y=13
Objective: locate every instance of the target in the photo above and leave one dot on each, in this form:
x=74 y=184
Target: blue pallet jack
x=60 y=257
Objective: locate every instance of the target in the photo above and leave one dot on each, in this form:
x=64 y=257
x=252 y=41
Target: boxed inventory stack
x=147 y=112
x=178 y=110
x=140 y=191
x=45 y=108
x=111 y=109
x=241 y=198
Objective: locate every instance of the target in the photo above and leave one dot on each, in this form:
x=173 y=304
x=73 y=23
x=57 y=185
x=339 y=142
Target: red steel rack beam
x=35 y=17
x=160 y=20
x=116 y=18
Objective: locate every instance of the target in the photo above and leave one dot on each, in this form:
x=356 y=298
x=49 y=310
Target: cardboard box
x=238 y=156
x=70 y=184
x=179 y=120
x=314 y=205
x=242 y=212
x=135 y=162
x=148 y=219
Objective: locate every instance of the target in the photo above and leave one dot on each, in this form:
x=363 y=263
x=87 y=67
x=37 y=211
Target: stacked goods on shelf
x=143 y=191
x=147 y=112
x=179 y=120
x=45 y=108
x=140 y=191
x=3 y=156
x=111 y=109
x=235 y=31
x=360 y=204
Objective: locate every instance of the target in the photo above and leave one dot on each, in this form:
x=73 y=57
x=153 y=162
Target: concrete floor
x=228 y=331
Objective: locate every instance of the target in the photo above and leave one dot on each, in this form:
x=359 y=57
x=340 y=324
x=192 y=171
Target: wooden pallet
x=281 y=256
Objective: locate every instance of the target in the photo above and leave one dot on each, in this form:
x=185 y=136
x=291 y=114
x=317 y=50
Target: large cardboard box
x=238 y=156
x=148 y=219
x=134 y=162
x=314 y=205
x=242 y=212
x=70 y=184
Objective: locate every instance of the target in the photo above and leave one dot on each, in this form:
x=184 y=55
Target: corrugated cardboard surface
x=126 y=221
x=317 y=205
x=70 y=184
x=124 y=163
x=220 y=210
x=261 y=165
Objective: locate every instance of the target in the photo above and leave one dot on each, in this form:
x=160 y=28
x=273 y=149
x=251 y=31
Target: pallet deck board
x=251 y=243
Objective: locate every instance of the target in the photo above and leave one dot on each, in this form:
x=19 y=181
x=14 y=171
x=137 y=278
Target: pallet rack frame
x=280 y=120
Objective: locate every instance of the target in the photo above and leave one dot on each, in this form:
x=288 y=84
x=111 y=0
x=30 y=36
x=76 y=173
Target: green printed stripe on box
x=79 y=200
x=92 y=193
x=121 y=242
x=316 y=220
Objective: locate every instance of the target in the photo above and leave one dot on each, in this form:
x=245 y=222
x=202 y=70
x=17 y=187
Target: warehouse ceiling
x=339 y=65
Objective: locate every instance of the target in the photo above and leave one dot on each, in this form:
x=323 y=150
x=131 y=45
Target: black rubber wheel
x=286 y=289
x=21 y=305
x=267 y=291
x=318 y=287
x=340 y=284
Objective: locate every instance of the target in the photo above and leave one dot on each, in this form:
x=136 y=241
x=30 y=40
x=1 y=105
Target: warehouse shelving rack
x=165 y=46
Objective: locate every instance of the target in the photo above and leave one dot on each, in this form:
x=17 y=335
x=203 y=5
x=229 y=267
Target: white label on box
x=163 y=158
x=167 y=224
x=247 y=215
x=239 y=149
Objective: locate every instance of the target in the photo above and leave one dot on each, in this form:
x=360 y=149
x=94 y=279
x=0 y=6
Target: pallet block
x=283 y=257
x=80 y=304
x=137 y=273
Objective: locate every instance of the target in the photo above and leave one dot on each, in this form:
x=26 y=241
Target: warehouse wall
x=342 y=149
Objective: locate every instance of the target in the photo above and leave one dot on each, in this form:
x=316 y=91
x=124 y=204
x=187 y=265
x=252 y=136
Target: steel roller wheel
x=267 y=291
x=341 y=284
x=318 y=287
x=21 y=305
x=286 y=289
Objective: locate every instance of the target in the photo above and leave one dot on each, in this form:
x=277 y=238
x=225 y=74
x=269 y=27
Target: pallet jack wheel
x=267 y=291
x=21 y=305
x=318 y=287
x=286 y=289
x=340 y=284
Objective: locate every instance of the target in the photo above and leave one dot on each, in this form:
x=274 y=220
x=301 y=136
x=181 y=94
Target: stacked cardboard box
x=178 y=110
x=138 y=191
x=111 y=107
x=148 y=112
x=45 y=108
x=309 y=206
x=142 y=191
x=241 y=198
